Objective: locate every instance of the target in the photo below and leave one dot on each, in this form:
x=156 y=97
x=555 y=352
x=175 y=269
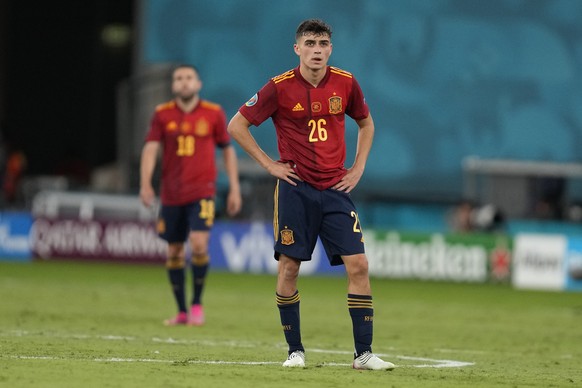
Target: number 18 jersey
x=310 y=121
x=189 y=141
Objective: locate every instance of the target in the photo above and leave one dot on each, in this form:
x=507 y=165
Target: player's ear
x=296 y=48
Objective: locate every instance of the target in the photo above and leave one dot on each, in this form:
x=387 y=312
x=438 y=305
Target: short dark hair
x=185 y=66
x=313 y=26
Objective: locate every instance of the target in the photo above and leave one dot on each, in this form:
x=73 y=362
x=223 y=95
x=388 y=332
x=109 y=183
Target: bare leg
x=357 y=271
x=287 y=276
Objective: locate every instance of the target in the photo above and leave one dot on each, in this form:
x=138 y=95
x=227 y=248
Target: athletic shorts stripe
x=276 y=212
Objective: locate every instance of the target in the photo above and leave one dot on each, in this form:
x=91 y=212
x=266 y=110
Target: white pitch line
x=118 y=359
x=206 y=362
x=444 y=363
x=437 y=363
x=426 y=362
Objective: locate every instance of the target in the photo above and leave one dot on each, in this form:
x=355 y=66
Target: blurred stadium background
x=477 y=109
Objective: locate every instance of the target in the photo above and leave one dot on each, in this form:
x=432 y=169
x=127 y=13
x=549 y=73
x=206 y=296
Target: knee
x=199 y=249
x=175 y=256
x=288 y=268
x=357 y=266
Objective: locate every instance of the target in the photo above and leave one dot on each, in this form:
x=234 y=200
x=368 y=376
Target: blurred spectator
x=548 y=198
x=460 y=217
x=13 y=172
x=470 y=217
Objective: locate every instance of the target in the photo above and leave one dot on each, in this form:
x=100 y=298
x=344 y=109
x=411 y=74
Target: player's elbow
x=237 y=125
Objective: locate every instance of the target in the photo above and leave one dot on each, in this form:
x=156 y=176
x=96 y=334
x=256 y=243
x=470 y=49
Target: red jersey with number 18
x=310 y=121
x=189 y=143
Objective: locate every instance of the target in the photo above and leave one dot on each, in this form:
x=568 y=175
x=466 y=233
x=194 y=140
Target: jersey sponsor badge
x=316 y=106
x=185 y=127
x=287 y=237
x=253 y=100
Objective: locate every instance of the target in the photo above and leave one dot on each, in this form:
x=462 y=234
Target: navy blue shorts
x=176 y=222
x=302 y=213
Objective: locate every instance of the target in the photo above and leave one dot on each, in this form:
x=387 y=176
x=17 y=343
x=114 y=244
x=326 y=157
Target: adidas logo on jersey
x=298 y=108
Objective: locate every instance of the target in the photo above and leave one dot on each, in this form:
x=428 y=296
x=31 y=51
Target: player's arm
x=365 y=137
x=238 y=128
x=234 y=199
x=149 y=155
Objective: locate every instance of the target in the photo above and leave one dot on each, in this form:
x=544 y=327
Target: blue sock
x=199 y=277
x=289 y=312
x=177 y=281
x=362 y=314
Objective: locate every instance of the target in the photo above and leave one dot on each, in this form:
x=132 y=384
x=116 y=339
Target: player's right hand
x=285 y=172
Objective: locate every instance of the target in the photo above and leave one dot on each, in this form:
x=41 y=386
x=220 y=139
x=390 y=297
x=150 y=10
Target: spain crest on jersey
x=335 y=105
x=287 y=237
x=202 y=128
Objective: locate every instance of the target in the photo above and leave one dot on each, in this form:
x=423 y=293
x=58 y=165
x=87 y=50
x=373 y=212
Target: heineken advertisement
x=463 y=258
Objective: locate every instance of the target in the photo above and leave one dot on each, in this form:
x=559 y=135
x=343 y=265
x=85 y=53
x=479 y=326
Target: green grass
x=65 y=324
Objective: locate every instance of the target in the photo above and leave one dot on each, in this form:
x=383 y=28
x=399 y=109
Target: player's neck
x=187 y=105
x=313 y=76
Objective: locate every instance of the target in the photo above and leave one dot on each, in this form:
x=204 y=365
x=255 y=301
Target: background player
x=308 y=106
x=187 y=131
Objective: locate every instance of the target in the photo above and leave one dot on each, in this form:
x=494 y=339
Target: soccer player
x=187 y=131
x=308 y=105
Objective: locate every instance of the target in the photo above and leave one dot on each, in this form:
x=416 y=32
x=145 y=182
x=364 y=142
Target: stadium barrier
x=81 y=226
x=118 y=228
x=547 y=262
x=14 y=236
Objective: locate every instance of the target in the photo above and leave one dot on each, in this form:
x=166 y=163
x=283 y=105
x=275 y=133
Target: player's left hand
x=349 y=181
x=233 y=203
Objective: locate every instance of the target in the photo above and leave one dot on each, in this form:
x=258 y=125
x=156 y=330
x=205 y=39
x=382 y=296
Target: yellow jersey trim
x=339 y=71
x=166 y=105
x=283 y=77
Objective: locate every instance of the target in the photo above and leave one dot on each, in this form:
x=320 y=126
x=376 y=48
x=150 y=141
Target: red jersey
x=189 y=140
x=310 y=121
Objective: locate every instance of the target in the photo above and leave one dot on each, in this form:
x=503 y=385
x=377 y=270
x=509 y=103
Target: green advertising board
x=446 y=257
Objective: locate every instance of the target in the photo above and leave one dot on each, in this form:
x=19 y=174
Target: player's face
x=185 y=83
x=313 y=50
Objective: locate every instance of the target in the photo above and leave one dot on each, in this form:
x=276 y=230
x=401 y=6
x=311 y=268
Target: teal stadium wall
x=444 y=79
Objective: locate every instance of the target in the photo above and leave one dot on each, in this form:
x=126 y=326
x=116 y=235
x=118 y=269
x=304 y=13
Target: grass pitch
x=65 y=324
